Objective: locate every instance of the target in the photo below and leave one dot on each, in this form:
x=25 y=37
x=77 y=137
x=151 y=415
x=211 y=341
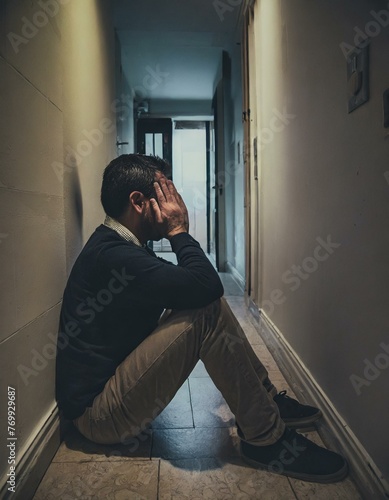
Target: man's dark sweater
x=114 y=297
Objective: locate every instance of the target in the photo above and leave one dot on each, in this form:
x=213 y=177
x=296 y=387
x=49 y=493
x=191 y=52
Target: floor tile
x=251 y=333
x=95 y=480
x=345 y=490
x=76 y=448
x=195 y=443
x=266 y=358
x=209 y=407
x=231 y=287
x=243 y=317
x=278 y=379
x=199 y=371
x=210 y=478
x=239 y=300
x=178 y=413
x=238 y=306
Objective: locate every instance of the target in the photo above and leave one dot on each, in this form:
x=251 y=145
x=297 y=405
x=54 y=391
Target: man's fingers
x=181 y=202
x=157 y=210
x=162 y=191
x=167 y=190
x=173 y=191
x=158 y=191
x=171 y=187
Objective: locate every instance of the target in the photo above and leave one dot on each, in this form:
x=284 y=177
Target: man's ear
x=137 y=200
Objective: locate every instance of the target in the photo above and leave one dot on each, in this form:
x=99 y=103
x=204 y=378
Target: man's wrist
x=176 y=231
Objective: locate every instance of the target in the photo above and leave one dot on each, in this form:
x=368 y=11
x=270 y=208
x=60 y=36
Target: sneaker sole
x=302 y=422
x=329 y=478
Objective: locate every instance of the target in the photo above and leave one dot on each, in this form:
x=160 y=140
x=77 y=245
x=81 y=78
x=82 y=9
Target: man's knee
x=214 y=309
x=216 y=305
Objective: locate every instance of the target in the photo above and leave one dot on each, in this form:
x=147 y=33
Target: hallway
x=191 y=451
x=274 y=115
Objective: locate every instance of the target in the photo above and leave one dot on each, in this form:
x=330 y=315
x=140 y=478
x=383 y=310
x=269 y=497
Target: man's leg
x=292 y=412
x=151 y=375
x=238 y=336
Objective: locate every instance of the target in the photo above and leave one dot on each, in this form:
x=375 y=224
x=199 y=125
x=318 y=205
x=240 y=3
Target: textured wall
x=32 y=248
x=56 y=85
x=89 y=115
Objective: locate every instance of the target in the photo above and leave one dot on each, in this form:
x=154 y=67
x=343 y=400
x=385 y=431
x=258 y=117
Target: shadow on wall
x=74 y=213
x=77 y=200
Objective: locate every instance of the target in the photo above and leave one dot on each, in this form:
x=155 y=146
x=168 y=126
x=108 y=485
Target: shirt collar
x=121 y=230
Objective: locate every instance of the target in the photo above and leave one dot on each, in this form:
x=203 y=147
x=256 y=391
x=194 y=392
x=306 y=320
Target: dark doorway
x=154 y=137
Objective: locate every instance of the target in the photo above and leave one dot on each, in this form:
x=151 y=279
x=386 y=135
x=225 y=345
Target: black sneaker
x=293 y=413
x=296 y=456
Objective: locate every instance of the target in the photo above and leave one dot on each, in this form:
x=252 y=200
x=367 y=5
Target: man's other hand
x=170 y=212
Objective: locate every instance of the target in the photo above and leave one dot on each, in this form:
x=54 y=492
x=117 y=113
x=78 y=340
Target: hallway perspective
x=273 y=116
x=191 y=451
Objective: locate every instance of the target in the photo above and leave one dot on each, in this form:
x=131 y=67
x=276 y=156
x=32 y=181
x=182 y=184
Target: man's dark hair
x=126 y=174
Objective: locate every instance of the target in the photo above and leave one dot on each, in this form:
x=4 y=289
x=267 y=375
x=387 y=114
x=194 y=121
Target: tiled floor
x=191 y=451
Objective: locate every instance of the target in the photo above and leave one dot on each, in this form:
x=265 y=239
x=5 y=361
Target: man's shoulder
x=105 y=235
x=107 y=242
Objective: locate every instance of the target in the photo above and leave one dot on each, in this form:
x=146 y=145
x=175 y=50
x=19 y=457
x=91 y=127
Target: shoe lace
x=288 y=400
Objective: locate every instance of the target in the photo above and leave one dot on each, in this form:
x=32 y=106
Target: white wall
x=322 y=175
x=123 y=105
x=89 y=115
x=32 y=249
x=56 y=88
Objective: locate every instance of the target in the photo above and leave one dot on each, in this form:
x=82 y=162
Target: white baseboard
x=33 y=464
x=236 y=275
x=332 y=428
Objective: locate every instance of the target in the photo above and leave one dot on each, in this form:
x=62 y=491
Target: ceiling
x=171 y=49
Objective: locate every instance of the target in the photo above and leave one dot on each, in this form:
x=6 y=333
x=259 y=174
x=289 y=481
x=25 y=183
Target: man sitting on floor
x=118 y=358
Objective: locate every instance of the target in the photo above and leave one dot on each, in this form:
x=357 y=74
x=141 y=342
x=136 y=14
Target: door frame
x=220 y=172
x=246 y=153
x=251 y=159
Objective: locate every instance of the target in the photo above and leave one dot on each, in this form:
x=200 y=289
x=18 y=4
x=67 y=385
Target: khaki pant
x=151 y=375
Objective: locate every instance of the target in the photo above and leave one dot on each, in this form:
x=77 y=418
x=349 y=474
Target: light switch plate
x=358 y=76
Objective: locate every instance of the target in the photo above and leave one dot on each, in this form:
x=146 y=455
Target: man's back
x=115 y=295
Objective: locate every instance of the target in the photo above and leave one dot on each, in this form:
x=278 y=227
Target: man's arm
x=193 y=283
